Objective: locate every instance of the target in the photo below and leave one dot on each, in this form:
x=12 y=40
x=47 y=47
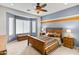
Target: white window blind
x=27 y=26
x=22 y=26
x=33 y=26
x=19 y=26
x=11 y=26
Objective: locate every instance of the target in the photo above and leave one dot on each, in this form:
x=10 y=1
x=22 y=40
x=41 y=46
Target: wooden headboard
x=54 y=30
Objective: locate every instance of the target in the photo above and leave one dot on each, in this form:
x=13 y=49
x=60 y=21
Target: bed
x=45 y=44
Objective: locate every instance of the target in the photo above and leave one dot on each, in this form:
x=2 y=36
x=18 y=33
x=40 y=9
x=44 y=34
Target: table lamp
x=68 y=32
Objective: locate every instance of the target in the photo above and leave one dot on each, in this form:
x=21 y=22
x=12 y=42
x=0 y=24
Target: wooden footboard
x=52 y=46
x=37 y=43
x=41 y=45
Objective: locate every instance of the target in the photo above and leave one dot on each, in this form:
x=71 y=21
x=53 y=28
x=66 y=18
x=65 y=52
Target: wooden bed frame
x=55 y=30
x=40 y=45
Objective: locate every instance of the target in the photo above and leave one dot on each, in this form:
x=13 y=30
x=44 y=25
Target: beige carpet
x=21 y=48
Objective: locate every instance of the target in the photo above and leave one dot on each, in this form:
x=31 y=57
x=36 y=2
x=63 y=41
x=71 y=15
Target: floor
x=21 y=48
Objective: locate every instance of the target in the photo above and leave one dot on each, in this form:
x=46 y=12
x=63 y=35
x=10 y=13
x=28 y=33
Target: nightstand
x=68 y=42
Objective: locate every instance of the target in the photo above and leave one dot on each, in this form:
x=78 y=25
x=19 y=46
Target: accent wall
x=73 y=24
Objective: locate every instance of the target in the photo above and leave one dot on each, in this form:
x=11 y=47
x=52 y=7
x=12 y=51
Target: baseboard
x=4 y=52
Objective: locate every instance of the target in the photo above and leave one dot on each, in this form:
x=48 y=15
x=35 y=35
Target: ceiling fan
x=40 y=8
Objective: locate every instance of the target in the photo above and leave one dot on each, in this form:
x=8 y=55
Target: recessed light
x=12 y=4
x=65 y=3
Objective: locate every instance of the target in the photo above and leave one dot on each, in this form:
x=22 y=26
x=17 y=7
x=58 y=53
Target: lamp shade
x=43 y=30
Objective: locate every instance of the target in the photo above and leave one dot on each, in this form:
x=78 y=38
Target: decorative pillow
x=50 y=34
x=42 y=33
x=57 y=35
x=53 y=34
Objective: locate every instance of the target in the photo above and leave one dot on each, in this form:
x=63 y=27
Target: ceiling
x=51 y=7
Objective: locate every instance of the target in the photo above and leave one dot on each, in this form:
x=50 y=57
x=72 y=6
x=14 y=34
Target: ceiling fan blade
x=44 y=10
x=44 y=5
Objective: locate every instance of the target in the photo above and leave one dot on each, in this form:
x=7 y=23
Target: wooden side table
x=68 y=42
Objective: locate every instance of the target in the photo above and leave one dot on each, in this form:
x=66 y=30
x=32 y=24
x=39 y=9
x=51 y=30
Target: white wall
x=2 y=29
x=2 y=21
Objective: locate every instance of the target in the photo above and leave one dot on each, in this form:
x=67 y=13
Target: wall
x=2 y=21
x=63 y=13
x=73 y=25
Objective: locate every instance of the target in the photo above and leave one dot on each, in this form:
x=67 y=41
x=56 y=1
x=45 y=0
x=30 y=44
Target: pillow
x=42 y=33
x=57 y=35
x=50 y=34
x=53 y=34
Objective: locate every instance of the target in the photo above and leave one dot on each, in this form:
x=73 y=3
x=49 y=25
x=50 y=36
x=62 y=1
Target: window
x=22 y=26
x=19 y=26
x=11 y=26
x=33 y=26
x=26 y=26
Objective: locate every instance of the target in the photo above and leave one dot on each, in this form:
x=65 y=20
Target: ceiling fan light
x=38 y=11
x=65 y=3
